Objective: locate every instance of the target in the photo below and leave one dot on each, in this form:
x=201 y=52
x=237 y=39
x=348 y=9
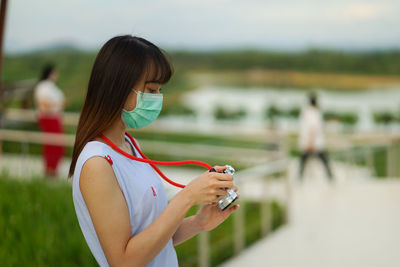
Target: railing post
x=265 y=213
x=351 y=163
x=25 y=149
x=389 y=159
x=265 y=217
x=204 y=251
x=238 y=229
x=369 y=160
x=396 y=156
x=288 y=195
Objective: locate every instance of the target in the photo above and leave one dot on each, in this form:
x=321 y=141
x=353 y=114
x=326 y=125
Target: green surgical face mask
x=148 y=107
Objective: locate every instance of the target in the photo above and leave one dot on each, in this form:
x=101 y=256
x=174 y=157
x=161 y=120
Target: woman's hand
x=210 y=216
x=208 y=187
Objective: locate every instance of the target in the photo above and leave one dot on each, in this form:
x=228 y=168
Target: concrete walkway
x=347 y=224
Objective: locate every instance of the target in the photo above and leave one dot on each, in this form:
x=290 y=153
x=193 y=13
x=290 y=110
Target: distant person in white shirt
x=311 y=137
x=50 y=103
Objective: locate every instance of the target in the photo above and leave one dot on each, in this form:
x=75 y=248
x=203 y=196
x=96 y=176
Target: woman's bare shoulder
x=97 y=174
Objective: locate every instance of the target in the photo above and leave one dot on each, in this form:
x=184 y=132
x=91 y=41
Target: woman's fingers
x=234 y=207
x=219 y=168
x=211 y=186
x=220 y=192
x=220 y=176
x=224 y=184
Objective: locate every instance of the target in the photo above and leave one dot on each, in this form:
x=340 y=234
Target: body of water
x=255 y=101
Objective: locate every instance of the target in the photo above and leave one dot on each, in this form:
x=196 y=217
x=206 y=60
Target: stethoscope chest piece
x=227 y=200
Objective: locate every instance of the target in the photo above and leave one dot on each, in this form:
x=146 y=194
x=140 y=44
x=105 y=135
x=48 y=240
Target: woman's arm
x=206 y=219
x=45 y=106
x=110 y=216
x=188 y=228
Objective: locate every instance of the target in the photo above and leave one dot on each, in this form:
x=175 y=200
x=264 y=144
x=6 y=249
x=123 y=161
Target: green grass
x=380 y=163
x=38 y=227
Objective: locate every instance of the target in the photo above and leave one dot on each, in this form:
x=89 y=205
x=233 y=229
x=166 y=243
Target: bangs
x=158 y=68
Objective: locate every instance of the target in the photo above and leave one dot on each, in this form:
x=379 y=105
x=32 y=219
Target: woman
x=311 y=137
x=120 y=203
x=50 y=103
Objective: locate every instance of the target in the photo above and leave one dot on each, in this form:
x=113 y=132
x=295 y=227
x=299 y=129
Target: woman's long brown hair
x=119 y=65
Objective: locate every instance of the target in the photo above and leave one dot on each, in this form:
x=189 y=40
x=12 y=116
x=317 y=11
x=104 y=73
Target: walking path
x=350 y=224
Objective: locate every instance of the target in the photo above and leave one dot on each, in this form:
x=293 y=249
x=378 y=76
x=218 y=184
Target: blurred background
x=243 y=74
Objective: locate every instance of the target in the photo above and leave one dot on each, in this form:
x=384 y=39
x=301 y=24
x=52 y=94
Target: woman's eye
x=154 y=91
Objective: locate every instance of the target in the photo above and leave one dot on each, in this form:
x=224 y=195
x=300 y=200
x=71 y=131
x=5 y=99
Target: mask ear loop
x=153 y=162
x=126 y=110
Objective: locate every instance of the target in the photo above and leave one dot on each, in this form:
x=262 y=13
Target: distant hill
x=75 y=65
x=325 y=61
x=386 y=62
x=60 y=46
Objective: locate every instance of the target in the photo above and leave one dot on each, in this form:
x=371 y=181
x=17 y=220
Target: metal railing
x=262 y=173
x=30 y=115
x=363 y=149
x=277 y=167
x=352 y=148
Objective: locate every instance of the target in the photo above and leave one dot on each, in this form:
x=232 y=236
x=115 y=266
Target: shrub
x=384 y=117
x=221 y=113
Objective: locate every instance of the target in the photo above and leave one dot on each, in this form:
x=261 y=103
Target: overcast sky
x=206 y=24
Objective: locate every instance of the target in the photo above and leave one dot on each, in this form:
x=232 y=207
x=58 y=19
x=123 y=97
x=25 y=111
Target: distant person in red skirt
x=50 y=102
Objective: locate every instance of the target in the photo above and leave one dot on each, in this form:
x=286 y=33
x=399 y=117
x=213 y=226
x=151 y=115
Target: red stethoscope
x=153 y=162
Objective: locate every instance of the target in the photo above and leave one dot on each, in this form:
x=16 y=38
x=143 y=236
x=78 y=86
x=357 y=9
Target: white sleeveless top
x=311 y=121
x=144 y=195
x=49 y=92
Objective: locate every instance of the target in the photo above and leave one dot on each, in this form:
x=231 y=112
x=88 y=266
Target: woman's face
x=53 y=75
x=144 y=86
